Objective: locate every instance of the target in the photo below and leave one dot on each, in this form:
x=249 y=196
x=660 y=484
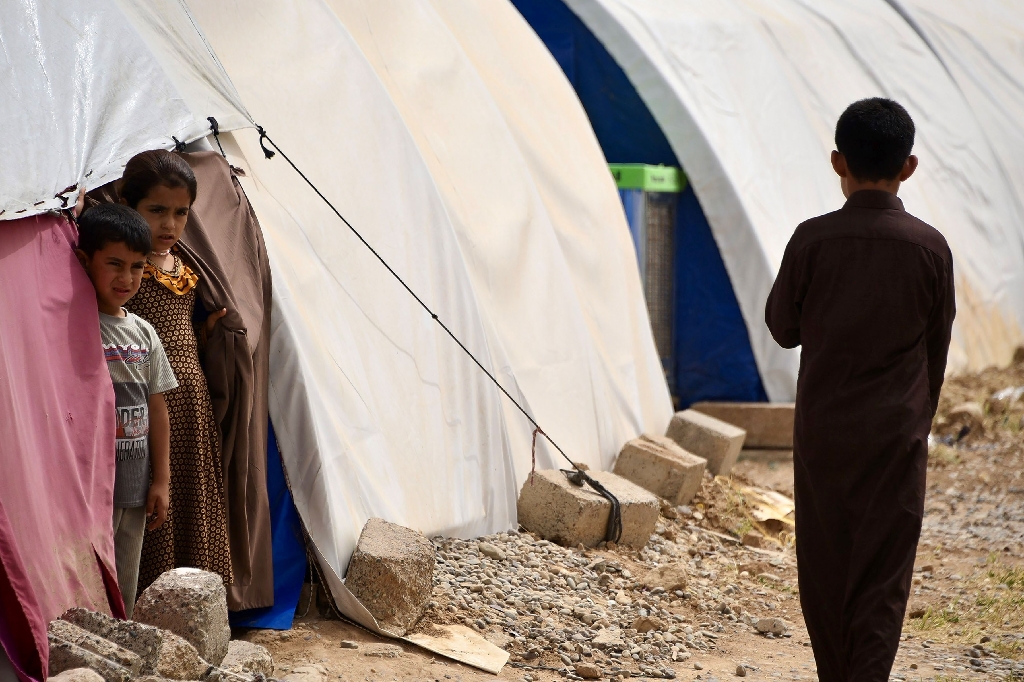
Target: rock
x=348 y=644
x=588 y=671
x=69 y=632
x=773 y=626
x=76 y=675
x=560 y=511
x=716 y=441
x=245 y=657
x=769 y=426
x=608 y=638
x=917 y=611
x=645 y=624
x=697 y=666
x=191 y=604
x=670 y=577
x=657 y=464
x=489 y=550
x=741 y=671
x=306 y=673
x=383 y=650
x=179 y=660
x=144 y=640
x=753 y=540
x=67 y=656
x=769 y=576
x=391 y=574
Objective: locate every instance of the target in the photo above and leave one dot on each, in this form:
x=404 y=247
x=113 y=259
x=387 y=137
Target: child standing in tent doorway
x=161 y=186
x=868 y=292
x=113 y=242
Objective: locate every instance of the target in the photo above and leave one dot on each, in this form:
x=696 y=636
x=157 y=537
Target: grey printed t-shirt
x=138 y=368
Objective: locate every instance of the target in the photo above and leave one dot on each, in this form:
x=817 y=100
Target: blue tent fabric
x=712 y=359
x=288 y=548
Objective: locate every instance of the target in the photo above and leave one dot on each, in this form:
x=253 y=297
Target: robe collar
x=874 y=198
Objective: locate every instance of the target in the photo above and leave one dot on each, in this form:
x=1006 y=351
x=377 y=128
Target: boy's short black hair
x=876 y=136
x=107 y=223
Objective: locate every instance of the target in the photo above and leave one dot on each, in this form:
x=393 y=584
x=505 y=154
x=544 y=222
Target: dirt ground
x=966 y=615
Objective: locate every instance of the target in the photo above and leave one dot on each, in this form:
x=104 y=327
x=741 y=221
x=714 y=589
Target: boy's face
x=116 y=273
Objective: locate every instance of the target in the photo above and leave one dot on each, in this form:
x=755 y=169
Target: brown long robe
x=868 y=292
x=223 y=244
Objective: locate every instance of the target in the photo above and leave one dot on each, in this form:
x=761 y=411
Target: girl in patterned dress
x=161 y=186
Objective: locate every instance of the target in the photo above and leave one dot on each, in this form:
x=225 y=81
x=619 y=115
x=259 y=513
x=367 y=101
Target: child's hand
x=212 y=321
x=156 y=505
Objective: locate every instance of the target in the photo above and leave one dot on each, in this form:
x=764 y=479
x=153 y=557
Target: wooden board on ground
x=462 y=644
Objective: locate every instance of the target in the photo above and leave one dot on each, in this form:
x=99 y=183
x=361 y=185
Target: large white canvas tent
x=747 y=94
x=454 y=145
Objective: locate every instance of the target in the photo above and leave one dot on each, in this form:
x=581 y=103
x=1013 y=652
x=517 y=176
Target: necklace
x=161 y=253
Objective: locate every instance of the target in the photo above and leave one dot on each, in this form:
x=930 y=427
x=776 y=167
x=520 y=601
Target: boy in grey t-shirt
x=113 y=243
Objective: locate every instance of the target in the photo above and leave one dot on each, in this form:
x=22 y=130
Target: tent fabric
x=88 y=99
x=57 y=453
x=378 y=412
x=224 y=245
x=712 y=358
x=747 y=93
x=290 y=562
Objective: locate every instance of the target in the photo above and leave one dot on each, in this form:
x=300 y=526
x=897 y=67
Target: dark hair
x=876 y=136
x=145 y=171
x=113 y=223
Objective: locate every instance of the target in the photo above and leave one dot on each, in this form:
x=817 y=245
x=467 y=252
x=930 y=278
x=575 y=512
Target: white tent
x=748 y=91
x=495 y=208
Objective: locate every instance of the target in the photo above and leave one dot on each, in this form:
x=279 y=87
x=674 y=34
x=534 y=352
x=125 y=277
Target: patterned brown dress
x=195 y=533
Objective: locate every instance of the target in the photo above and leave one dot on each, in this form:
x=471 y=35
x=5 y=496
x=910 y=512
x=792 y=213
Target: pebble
x=348 y=644
x=741 y=671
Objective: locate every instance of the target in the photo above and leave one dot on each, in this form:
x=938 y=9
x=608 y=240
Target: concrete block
x=191 y=604
x=765 y=455
x=714 y=440
x=144 y=640
x=179 y=660
x=562 y=512
x=391 y=573
x=69 y=632
x=657 y=464
x=67 y=656
x=245 y=658
x=768 y=425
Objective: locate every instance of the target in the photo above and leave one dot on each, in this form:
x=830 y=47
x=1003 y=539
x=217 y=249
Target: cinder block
x=69 y=632
x=145 y=640
x=191 y=604
x=67 y=656
x=768 y=425
x=562 y=512
x=713 y=439
x=659 y=465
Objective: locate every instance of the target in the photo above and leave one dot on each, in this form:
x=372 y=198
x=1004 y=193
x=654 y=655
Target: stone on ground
x=67 y=656
x=144 y=640
x=245 y=657
x=391 y=573
x=716 y=441
x=669 y=577
x=383 y=650
x=193 y=605
x=179 y=660
x=645 y=624
x=588 y=671
x=69 y=632
x=657 y=464
x=557 y=510
x=774 y=626
x=76 y=675
x=769 y=426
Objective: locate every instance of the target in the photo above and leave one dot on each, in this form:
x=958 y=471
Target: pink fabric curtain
x=56 y=444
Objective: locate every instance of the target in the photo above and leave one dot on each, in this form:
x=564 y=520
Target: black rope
x=179 y=146
x=614 y=532
x=216 y=134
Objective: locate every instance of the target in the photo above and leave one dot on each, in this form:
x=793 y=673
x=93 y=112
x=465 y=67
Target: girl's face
x=166 y=210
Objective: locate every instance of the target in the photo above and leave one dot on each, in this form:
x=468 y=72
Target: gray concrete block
x=69 y=632
x=391 y=573
x=67 y=656
x=716 y=441
x=144 y=640
x=562 y=512
x=191 y=604
x=768 y=425
x=657 y=464
x=245 y=658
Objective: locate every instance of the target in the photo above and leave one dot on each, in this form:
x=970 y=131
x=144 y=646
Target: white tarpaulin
x=748 y=92
x=79 y=103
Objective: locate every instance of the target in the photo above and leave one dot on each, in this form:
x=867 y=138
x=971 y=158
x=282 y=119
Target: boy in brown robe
x=868 y=292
